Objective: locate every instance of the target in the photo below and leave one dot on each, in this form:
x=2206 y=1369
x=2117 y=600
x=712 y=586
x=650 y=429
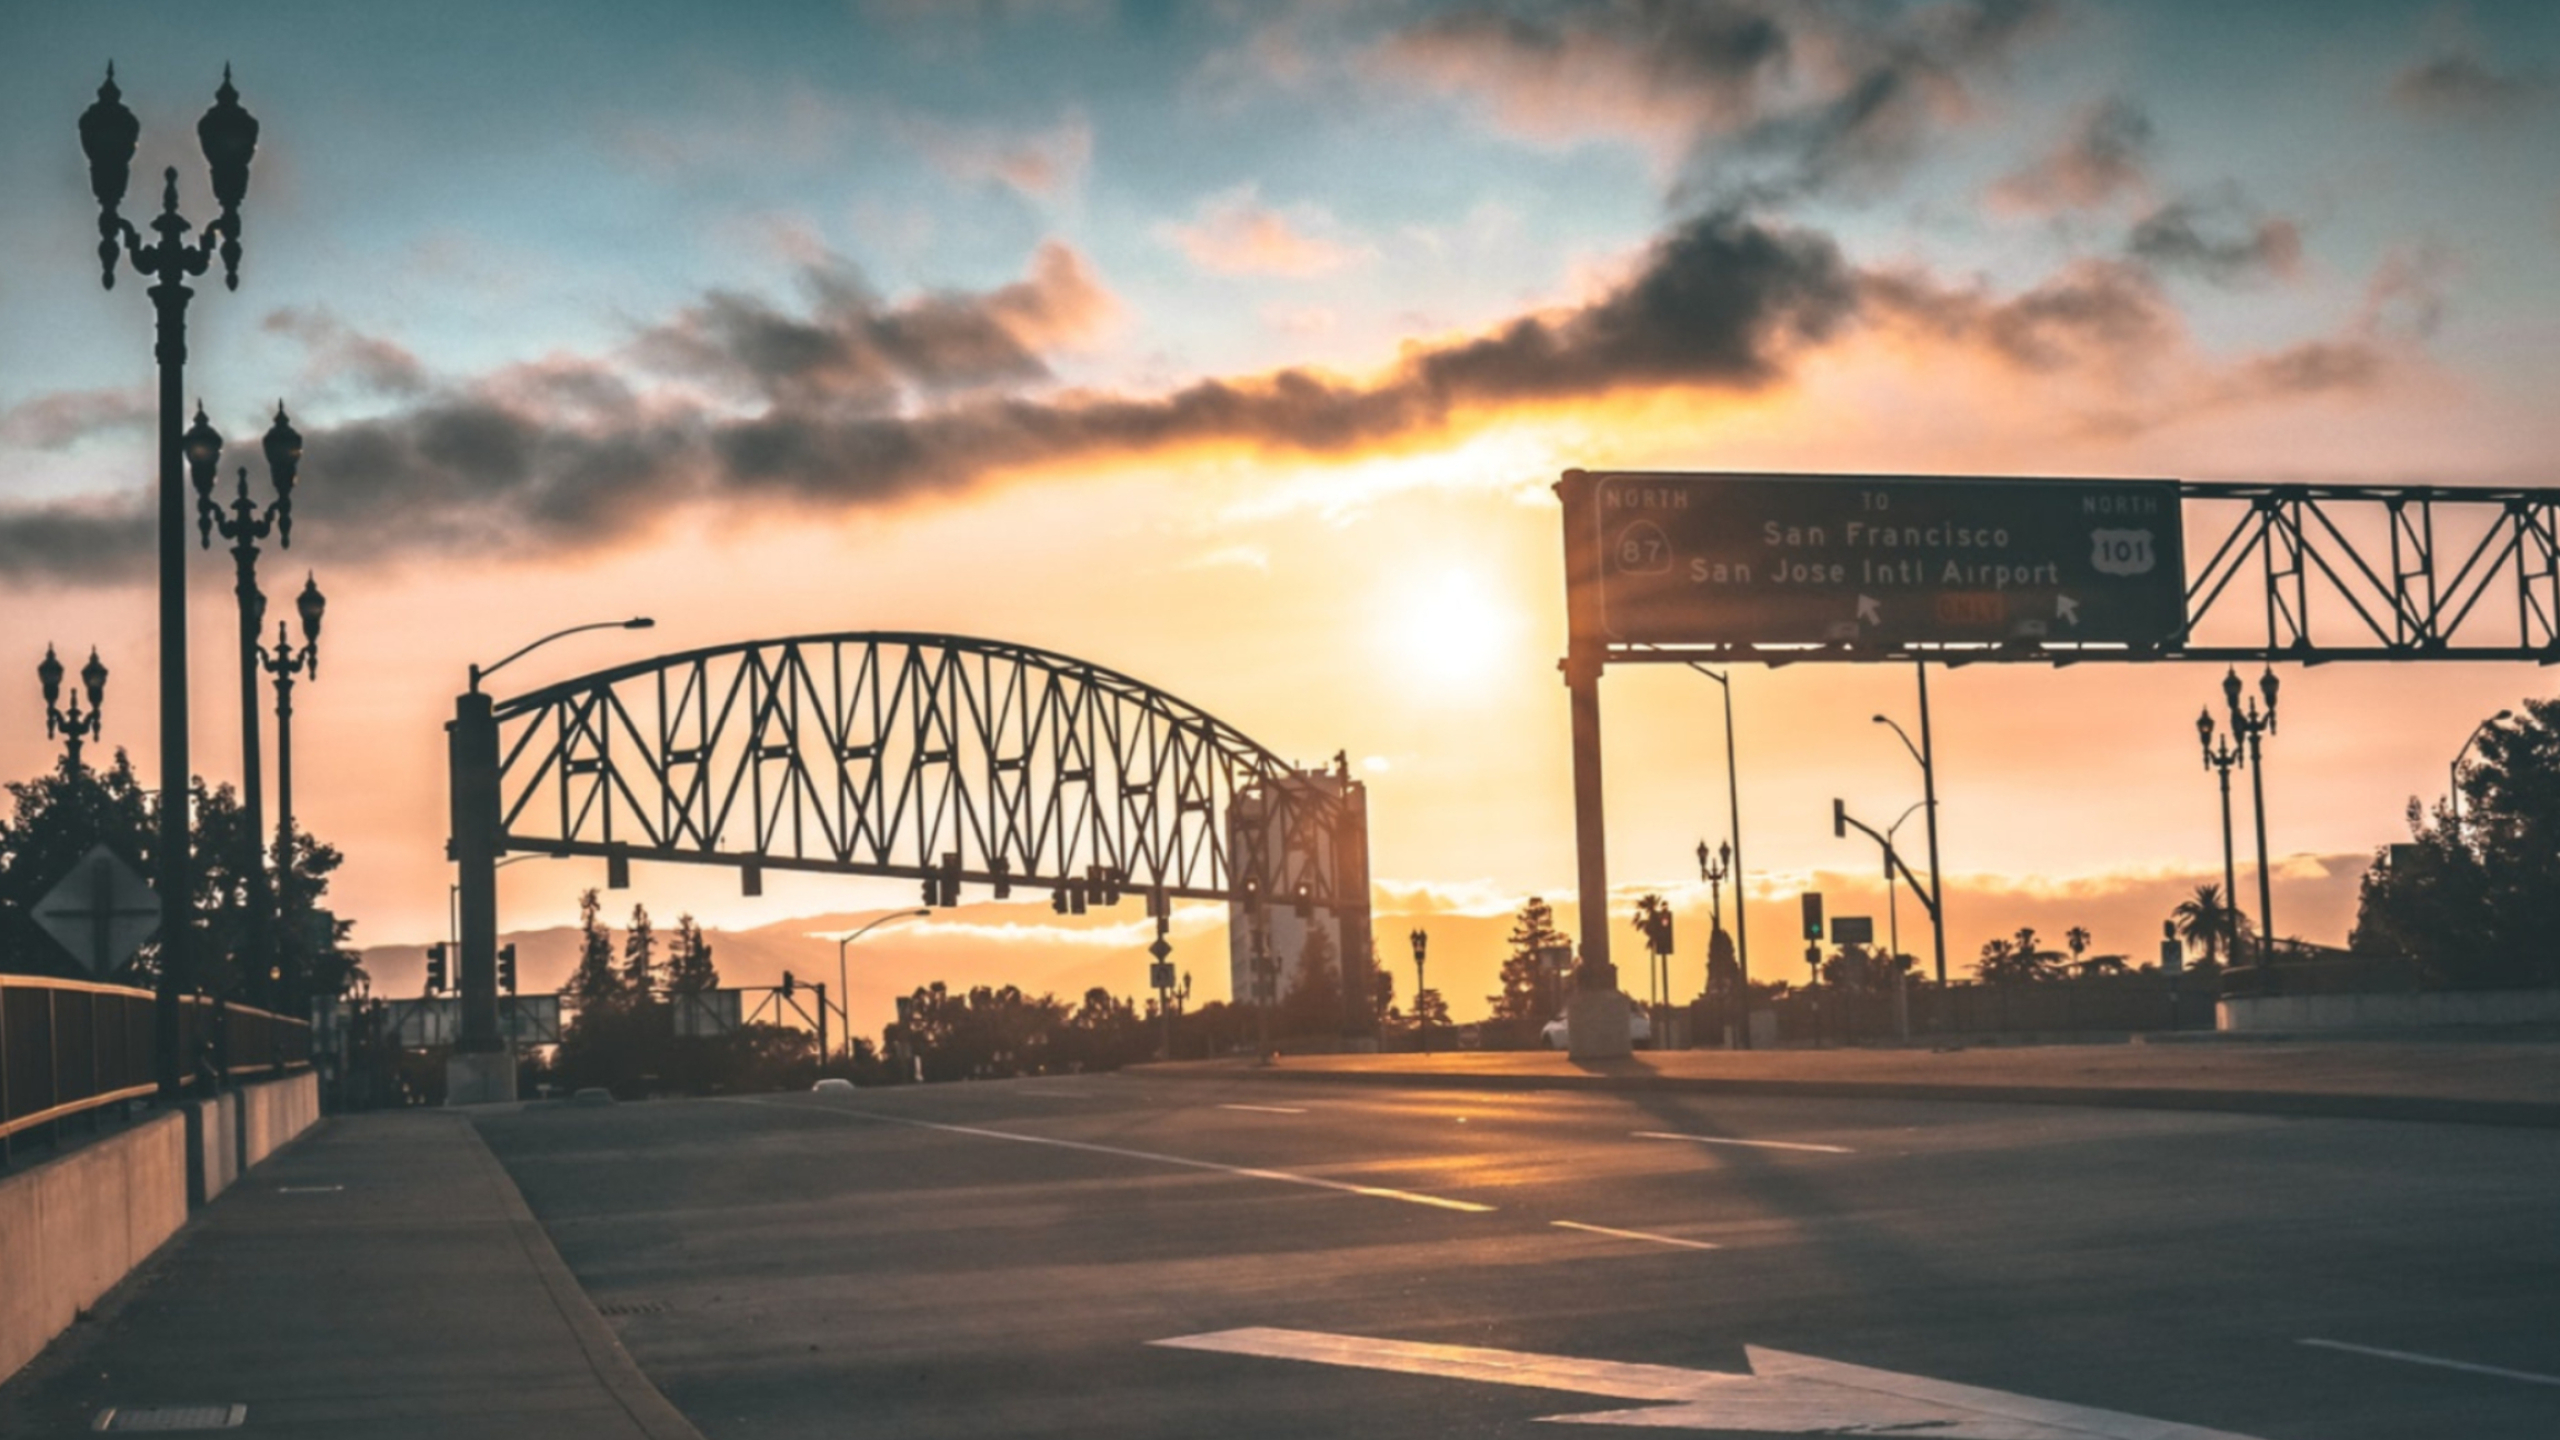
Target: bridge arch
x=952 y=760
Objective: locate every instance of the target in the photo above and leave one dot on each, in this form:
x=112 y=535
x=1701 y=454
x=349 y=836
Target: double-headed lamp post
x=1421 y=1022
x=2453 y=772
x=471 y=751
x=286 y=663
x=2220 y=754
x=246 y=525
x=844 y=995
x=74 y=725
x=109 y=135
x=2249 y=724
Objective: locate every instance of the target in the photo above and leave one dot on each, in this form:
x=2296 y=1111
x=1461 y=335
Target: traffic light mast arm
x=1842 y=820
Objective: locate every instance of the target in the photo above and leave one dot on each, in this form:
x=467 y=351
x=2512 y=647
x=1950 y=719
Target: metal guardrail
x=69 y=1047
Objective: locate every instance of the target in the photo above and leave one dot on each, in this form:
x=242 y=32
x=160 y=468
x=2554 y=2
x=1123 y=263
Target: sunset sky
x=1237 y=347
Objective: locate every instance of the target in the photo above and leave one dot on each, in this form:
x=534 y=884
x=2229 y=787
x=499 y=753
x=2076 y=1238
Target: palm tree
x=2207 y=921
x=2077 y=937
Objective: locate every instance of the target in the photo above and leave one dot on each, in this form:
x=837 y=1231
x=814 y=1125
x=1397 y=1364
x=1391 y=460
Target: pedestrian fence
x=71 y=1048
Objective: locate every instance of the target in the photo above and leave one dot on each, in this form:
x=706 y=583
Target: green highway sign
x=1689 y=559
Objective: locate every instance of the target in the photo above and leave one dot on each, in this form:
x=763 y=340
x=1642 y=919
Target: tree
x=689 y=968
x=2474 y=899
x=1313 y=1005
x=1523 y=1004
x=2206 y=921
x=2077 y=938
x=1430 y=1013
x=640 y=958
x=595 y=986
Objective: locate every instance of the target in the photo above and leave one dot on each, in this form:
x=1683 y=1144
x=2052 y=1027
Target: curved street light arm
x=1889 y=723
x=482 y=672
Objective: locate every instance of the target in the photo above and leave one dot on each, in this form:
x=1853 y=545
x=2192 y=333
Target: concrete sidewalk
x=2449 y=1081
x=380 y=1278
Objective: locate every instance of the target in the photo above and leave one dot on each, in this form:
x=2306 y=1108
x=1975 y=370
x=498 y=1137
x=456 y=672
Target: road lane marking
x=1267 y=1109
x=1781 y=1394
x=1377 y=1192
x=1635 y=1235
x=2439 y=1362
x=1754 y=1144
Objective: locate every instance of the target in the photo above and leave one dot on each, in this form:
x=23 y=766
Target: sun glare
x=1450 y=630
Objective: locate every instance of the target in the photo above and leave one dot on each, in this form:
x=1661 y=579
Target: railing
x=69 y=1047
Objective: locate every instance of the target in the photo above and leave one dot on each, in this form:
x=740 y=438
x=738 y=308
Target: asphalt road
x=903 y=1263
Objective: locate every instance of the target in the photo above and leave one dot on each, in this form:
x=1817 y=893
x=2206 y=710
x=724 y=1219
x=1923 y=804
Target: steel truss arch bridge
x=946 y=759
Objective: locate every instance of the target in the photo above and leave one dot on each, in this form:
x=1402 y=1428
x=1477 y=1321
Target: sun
x=1450 y=630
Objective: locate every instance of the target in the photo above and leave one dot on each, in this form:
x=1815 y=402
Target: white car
x=1557 y=1035
x=832 y=1084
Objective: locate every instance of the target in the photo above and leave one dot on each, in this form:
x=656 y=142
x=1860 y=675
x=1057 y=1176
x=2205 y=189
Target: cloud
x=2221 y=239
x=1046 y=165
x=845 y=398
x=1236 y=234
x=2454 y=84
x=59 y=420
x=335 y=353
x=1741 y=96
x=2101 y=158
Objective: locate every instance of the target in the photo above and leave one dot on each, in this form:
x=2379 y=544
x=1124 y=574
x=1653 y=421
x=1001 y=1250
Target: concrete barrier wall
x=272 y=1114
x=72 y=1227
x=2389 y=1012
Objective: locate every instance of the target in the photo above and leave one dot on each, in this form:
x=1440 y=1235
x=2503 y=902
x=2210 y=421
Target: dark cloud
x=2455 y=84
x=2222 y=240
x=2104 y=155
x=851 y=401
x=2096 y=314
x=1752 y=98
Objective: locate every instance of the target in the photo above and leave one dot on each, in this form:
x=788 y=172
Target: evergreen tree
x=2474 y=899
x=1313 y=1005
x=689 y=968
x=595 y=986
x=640 y=958
x=1522 y=1005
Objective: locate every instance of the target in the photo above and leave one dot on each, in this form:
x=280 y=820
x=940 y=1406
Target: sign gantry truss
x=2313 y=573
x=931 y=757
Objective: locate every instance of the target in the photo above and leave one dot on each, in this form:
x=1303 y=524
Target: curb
x=612 y=1366
x=2422 y=1109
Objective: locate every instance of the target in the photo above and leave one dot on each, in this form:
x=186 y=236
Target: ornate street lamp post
x=244 y=527
x=73 y=725
x=109 y=135
x=284 y=663
x=2249 y=725
x=2219 y=757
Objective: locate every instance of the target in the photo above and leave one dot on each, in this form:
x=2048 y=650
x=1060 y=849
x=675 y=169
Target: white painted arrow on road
x=1782 y=1395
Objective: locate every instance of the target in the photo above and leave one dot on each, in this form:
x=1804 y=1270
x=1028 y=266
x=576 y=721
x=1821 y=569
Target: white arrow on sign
x=2066 y=608
x=1869 y=612
x=1782 y=1394
x=101 y=912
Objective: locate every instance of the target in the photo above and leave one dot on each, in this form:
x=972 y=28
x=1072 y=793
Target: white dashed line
x=1754 y=1144
x=1248 y=1172
x=2465 y=1366
x=1635 y=1235
x=1266 y=1109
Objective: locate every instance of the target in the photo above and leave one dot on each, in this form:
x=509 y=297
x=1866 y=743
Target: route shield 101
x=1687 y=559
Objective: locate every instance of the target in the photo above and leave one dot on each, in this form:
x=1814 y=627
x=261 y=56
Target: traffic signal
x=507 y=968
x=1839 y=818
x=1813 y=915
x=1657 y=932
x=435 y=967
x=788 y=984
x=1058 y=901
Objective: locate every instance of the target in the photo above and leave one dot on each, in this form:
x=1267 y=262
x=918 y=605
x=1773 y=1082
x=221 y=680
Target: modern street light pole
x=244 y=527
x=1926 y=758
x=471 y=750
x=1893 y=892
x=2249 y=725
x=1741 y=891
x=2219 y=758
x=2453 y=772
x=1421 y=1022
x=844 y=993
x=109 y=134
x=74 y=725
